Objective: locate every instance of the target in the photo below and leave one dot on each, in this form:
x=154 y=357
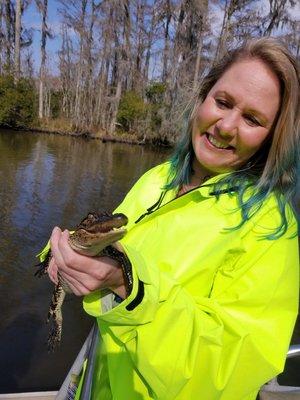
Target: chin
x=212 y=168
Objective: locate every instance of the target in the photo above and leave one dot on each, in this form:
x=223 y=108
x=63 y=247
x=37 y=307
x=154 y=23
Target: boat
x=270 y=391
x=30 y=396
x=273 y=391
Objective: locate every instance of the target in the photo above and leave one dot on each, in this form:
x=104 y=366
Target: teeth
x=217 y=144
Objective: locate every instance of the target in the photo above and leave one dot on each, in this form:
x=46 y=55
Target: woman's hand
x=83 y=274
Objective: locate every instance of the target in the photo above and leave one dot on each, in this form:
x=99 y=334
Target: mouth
x=216 y=144
x=107 y=224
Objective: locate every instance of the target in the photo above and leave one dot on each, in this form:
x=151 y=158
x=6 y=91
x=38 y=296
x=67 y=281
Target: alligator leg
x=55 y=315
x=43 y=265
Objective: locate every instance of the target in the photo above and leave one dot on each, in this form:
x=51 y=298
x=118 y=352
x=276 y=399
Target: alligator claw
x=43 y=265
x=54 y=337
x=55 y=317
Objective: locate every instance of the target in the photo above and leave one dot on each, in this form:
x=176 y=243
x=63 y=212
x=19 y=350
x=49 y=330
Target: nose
x=228 y=123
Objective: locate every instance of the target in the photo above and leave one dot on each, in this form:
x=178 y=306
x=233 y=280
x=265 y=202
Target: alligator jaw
x=92 y=245
x=97 y=231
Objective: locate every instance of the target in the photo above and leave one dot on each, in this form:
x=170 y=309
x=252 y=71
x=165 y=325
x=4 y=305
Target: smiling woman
x=235 y=119
x=251 y=100
x=212 y=244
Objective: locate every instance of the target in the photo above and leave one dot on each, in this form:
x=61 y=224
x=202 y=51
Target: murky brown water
x=48 y=180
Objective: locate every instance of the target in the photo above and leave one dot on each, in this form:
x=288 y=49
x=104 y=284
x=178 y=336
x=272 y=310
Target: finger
x=70 y=257
x=83 y=279
x=52 y=271
x=77 y=287
x=54 y=240
x=79 y=269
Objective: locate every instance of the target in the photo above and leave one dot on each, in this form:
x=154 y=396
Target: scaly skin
x=92 y=237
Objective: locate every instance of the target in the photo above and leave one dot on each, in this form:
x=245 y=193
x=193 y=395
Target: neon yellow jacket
x=212 y=310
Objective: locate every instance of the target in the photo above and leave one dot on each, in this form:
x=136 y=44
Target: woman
x=212 y=243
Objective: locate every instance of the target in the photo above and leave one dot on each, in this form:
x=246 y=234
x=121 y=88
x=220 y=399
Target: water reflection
x=45 y=181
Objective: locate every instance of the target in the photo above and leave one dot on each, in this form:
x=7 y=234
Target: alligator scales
x=92 y=237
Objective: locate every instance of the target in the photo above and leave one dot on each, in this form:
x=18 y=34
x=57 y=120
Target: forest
x=125 y=68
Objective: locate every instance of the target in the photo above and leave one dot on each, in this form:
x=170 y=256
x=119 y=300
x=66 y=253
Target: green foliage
x=17 y=102
x=131 y=109
x=155 y=92
x=155 y=96
x=55 y=103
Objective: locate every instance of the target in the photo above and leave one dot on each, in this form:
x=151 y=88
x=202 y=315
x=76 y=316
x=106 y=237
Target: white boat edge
x=30 y=396
x=272 y=388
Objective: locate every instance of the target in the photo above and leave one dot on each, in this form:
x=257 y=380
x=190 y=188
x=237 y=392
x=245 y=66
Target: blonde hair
x=276 y=157
x=274 y=166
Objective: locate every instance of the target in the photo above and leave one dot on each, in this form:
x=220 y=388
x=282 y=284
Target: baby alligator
x=92 y=237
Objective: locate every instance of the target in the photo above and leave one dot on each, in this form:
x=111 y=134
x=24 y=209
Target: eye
x=251 y=120
x=221 y=103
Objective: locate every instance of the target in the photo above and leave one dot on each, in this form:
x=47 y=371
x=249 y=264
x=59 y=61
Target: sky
x=32 y=19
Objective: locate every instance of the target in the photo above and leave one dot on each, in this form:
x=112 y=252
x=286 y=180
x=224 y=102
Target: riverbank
x=63 y=127
x=119 y=137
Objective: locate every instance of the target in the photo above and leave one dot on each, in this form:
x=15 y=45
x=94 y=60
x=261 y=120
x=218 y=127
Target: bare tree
x=105 y=56
x=28 y=65
x=150 y=33
x=202 y=15
x=43 y=8
x=18 y=40
x=122 y=52
x=166 y=15
x=278 y=11
x=110 y=47
x=8 y=38
x=66 y=67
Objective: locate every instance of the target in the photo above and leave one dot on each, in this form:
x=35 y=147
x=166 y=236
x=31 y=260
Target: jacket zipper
x=156 y=206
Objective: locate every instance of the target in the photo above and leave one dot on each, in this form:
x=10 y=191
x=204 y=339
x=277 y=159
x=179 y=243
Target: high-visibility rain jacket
x=212 y=309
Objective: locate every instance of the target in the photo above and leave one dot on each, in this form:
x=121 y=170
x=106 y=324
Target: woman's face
x=235 y=118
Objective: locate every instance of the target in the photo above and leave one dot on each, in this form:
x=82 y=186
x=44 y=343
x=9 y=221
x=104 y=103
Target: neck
x=195 y=181
x=199 y=175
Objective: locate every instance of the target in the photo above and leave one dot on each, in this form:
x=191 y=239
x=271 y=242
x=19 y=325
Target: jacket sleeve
x=223 y=346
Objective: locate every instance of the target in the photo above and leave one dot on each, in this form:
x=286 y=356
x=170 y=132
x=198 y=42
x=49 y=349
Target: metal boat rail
x=273 y=391
x=294 y=351
x=29 y=396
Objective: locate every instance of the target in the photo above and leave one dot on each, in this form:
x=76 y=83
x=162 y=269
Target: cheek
x=205 y=117
x=252 y=141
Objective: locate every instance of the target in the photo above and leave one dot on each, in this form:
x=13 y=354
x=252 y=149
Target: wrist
x=116 y=282
x=120 y=291
x=120 y=259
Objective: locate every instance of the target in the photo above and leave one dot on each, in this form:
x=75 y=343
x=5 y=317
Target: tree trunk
x=90 y=79
x=80 y=67
x=150 y=35
x=275 y=16
x=17 y=40
x=203 y=17
x=43 y=9
x=166 y=53
x=9 y=24
x=123 y=59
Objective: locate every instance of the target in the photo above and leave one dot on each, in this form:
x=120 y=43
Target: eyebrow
x=260 y=115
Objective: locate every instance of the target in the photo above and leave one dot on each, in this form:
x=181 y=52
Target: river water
x=48 y=180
